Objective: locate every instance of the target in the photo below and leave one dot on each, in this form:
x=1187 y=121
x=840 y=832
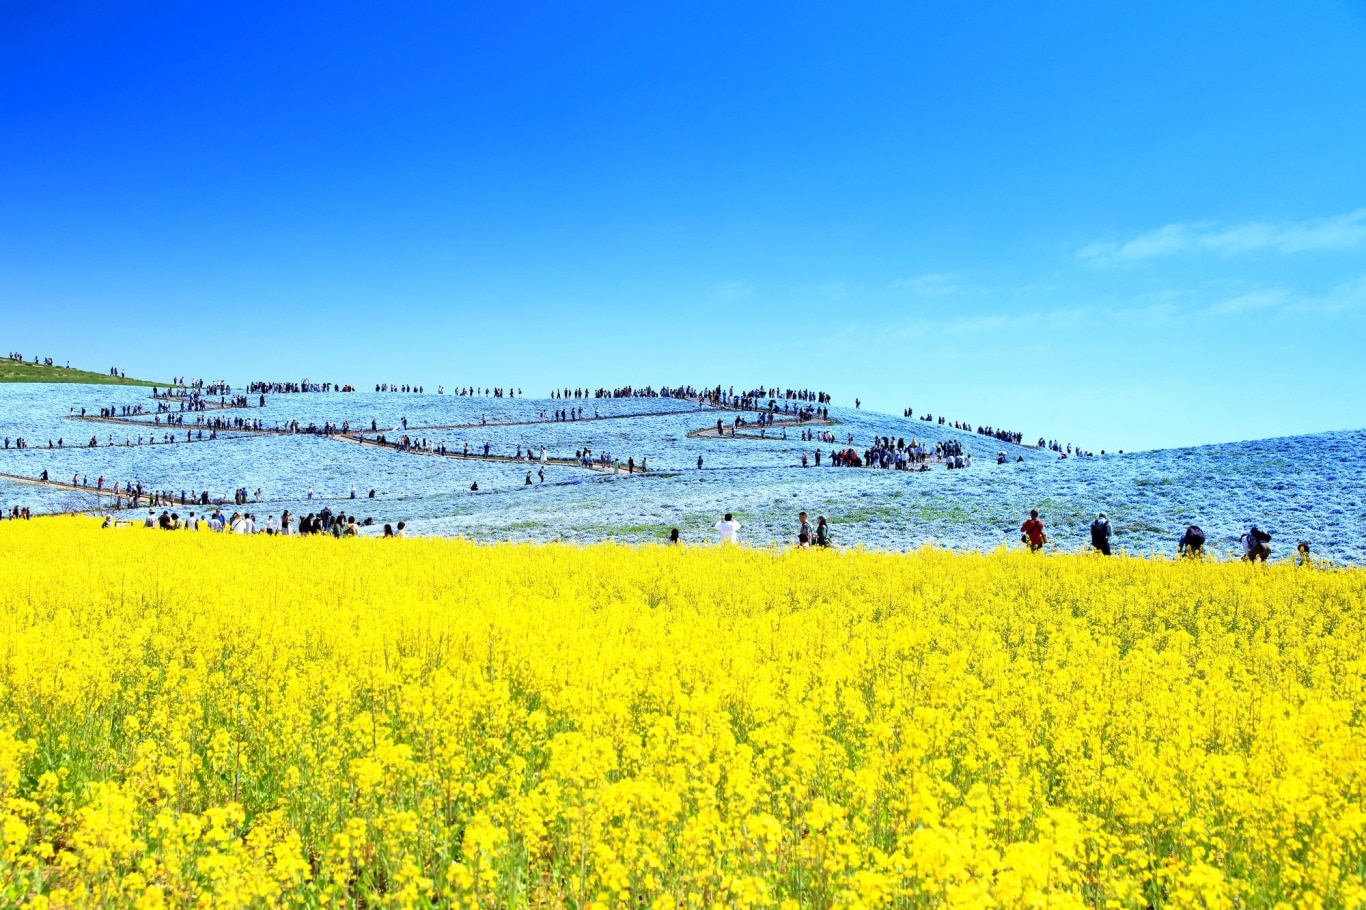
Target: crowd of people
x=324 y=522
x=262 y=387
x=122 y=410
x=728 y=528
x=1255 y=544
x=625 y=391
x=1011 y=436
x=462 y=392
x=898 y=455
x=128 y=441
x=1068 y=450
x=718 y=396
x=48 y=362
x=764 y=399
x=209 y=388
x=566 y=415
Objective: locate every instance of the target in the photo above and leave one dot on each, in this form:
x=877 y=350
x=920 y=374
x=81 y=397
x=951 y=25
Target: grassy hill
x=15 y=371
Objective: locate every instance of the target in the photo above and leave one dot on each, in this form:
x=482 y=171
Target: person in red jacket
x=1033 y=531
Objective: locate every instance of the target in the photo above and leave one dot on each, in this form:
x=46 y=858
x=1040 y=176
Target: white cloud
x=834 y=290
x=933 y=283
x=1279 y=302
x=1253 y=302
x=1339 y=232
x=1268 y=303
x=733 y=290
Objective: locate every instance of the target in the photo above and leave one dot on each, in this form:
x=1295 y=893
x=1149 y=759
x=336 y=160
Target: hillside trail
x=751 y=431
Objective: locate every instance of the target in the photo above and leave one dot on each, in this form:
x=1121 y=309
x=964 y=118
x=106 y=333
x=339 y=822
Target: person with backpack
x=1100 y=534
x=1192 y=543
x=1031 y=532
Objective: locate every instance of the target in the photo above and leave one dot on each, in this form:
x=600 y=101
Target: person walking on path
x=729 y=529
x=1100 y=534
x=1032 y=531
x=803 y=531
x=822 y=532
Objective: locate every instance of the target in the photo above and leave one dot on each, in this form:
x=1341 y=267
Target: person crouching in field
x=1032 y=532
x=1256 y=545
x=1192 y=543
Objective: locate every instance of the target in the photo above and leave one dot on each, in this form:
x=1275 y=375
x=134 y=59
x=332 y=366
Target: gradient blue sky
x=1122 y=225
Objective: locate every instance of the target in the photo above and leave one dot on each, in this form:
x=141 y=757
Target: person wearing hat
x=1100 y=534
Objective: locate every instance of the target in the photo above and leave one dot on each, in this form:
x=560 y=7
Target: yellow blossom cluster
x=213 y=720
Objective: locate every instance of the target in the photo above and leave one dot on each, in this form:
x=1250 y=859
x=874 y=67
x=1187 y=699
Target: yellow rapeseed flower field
x=208 y=720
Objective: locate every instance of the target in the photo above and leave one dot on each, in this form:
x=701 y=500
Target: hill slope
x=18 y=371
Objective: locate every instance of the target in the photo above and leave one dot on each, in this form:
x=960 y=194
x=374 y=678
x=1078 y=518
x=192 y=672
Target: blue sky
x=1121 y=225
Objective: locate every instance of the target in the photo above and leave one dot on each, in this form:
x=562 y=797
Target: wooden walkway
x=357 y=438
x=751 y=431
x=60 y=485
x=552 y=423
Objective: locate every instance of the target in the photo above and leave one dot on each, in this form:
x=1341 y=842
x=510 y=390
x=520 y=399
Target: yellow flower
x=438 y=723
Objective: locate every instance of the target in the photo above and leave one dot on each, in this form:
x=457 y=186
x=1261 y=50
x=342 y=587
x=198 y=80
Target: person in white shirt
x=239 y=524
x=729 y=529
x=272 y=526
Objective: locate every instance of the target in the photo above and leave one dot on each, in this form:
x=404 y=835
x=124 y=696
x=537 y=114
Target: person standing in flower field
x=803 y=531
x=1100 y=534
x=1033 y=531
x=729 y=529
